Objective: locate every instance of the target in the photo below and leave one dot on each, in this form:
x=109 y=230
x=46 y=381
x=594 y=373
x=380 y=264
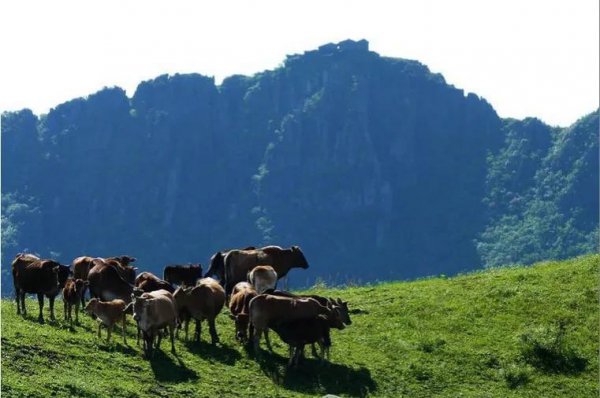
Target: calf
x=42 y=277
x=153 y=312
x=108 y=313
x=239 y=304
x=262 y=277
x=204 y=301
x=182 y=274
x=148 y=282
x=268 y=310
x=73 y=296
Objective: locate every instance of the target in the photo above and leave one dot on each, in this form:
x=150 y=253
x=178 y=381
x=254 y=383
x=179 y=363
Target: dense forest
x=375 y=166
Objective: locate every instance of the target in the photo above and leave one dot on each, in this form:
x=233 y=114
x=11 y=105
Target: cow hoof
x=41 y=320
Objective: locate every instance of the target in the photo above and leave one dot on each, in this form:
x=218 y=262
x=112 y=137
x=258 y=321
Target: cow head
x=343 y=307
x=217 y=266
x=299 y=259
x=63 y=271
x=90 y=308
x=141 y=306
x=79 y=286
x=241 y=326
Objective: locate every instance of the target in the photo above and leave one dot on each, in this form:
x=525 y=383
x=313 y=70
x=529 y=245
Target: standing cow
x=42 y=277
x=239 y=262
x=109 y=280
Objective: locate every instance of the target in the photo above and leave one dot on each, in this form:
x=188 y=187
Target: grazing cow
x=153 y=312
x=42 y=277
x=217 y=264
x=239 y=262
x=148 y=282
x=266 y=309
x=72 y=296
x=313 y=330
x=108 y=313
x=204 y=301
x=182 y=274
x=239 y=305
x=263 y=277
x=109 y=280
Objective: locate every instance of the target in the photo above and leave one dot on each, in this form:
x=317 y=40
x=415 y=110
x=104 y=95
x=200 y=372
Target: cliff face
x=376 y=167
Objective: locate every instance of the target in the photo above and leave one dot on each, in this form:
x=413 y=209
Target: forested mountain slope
x=375 y=166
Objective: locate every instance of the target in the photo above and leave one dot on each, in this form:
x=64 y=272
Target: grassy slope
x=432 y=337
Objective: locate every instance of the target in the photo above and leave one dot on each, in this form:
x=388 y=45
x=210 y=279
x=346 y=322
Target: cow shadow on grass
x=220 y=352
x=166 y=369
x=313 y=377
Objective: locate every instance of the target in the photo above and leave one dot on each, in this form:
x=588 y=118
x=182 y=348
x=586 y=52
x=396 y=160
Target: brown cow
x=72 y=296
x=42 y=277
x=239 y=305
x=263 y=277
x=108 y=313
x=304 y=331
x=204 y=301
x=148 y=282
x=217 y=264
x=266 y=309
x=239 y=262
x=153 y=312
x=82 y=266
x=81 y=269
x=186 y=275
x=109 y=280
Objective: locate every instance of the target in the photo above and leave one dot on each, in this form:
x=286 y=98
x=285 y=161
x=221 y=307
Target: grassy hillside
x=530 y=332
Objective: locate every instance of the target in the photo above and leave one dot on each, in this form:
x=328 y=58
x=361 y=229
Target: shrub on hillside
x=547 y=349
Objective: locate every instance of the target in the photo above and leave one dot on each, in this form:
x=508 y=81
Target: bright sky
x=526 y=57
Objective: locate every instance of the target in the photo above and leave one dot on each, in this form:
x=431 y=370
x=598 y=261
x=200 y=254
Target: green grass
x=506 y=332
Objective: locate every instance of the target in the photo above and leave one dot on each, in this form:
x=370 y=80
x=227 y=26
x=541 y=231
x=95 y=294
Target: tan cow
x=263 y=277
x=153 y=312
x=239 y=305
x=108 y=313
x=204 y=301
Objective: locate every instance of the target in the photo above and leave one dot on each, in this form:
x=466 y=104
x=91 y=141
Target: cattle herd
x=245 y=280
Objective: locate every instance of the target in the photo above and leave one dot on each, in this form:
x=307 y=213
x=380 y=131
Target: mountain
x=507 y=332
x=375 y=166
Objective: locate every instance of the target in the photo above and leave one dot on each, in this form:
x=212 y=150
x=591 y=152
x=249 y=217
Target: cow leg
x=76 y=313
x=158 y=338
x=124 y=330
x=198 y=331
x=23 y=308
x=99 y=327
x=41 y=304
x=256 y=339
x=51 y=300
x=314 y=350
x=109 y=327
x=172 y=335
x=18 y=299
x=267 y=340
x=186 y=327
x=83 y=296
x=213 y=331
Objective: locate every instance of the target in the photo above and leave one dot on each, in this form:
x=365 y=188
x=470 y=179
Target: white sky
x=526 y=57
